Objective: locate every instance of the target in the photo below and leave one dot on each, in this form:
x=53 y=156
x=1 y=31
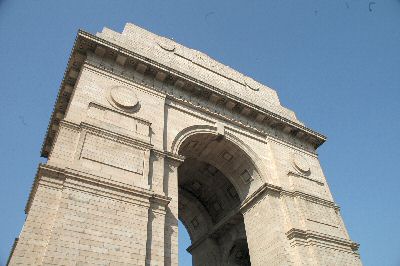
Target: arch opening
x=213 y=181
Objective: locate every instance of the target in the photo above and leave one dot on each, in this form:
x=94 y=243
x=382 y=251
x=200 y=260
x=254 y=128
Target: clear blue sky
x=336 y=63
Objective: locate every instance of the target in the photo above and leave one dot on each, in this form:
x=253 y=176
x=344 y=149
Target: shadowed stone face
x=209 y=202
x=209 y=187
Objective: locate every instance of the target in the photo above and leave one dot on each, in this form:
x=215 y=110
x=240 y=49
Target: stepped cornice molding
x=311 y=237
x=60 y=178
x=271 y=189
x=86 y=43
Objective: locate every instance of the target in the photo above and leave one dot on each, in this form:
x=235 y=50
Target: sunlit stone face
x=123 y=97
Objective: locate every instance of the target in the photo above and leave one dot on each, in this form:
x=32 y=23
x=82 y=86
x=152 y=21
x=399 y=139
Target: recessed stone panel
x=301 y=163
x=227 y=156
x=137 y=126
x=123 y=97
x=246 y=177
x=111 y=153
x=195 y=223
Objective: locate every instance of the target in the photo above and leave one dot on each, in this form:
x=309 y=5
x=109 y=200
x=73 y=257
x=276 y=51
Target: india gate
x=146 y=131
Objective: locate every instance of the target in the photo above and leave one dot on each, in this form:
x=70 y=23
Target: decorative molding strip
x=121 y=138
x=160 y=199
x=293 y=173
x=77 y=179
x=203 y=101
x=318 y=222
x=118 y=137
x=258 y=193
x=75 y=61
x=308 y=235
x=49 y=173
x=144 y=121
x=311 y=198
x=70 y=125
x=265 y=188
x=86 y=43
x=71 y=178
x=175 y=159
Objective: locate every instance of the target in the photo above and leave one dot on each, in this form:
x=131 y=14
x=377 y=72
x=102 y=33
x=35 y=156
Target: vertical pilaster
x=171 y=218
x=265 y=231
x=155 y=231
x=157 y=171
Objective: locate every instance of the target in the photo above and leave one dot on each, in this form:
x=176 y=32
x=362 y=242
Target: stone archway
x=213 y=181
x=145 y=132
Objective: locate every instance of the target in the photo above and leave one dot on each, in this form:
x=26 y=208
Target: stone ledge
x=258 y=193
x=312 y=237
x=75 y=179
x=311 y=198
x=86 y=41
x=300 y=175
x=279 y=191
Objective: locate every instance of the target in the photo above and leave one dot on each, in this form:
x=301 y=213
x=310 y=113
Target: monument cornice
x=317 y=237
x=256 y=195
x=59 y=178
x=279 y=191
x=86 y=43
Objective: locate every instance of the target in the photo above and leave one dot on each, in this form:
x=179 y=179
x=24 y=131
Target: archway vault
x=213 y=181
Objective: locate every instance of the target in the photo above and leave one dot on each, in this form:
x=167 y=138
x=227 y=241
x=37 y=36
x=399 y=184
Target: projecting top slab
x=186 y=67
x=197 y=65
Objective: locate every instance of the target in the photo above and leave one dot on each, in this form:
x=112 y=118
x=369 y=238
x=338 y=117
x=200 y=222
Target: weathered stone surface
x=145 y=132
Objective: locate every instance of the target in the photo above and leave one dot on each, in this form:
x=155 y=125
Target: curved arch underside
x=213 y=181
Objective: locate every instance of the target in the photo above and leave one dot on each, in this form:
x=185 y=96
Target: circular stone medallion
x=123 y=97
x=301 y=163
x=166 y=44
x=251 y=84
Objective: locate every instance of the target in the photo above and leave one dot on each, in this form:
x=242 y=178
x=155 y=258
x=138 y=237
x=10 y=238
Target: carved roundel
x=123 y=98
x=251 y=84
x=166 y=44
x=301 y=163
